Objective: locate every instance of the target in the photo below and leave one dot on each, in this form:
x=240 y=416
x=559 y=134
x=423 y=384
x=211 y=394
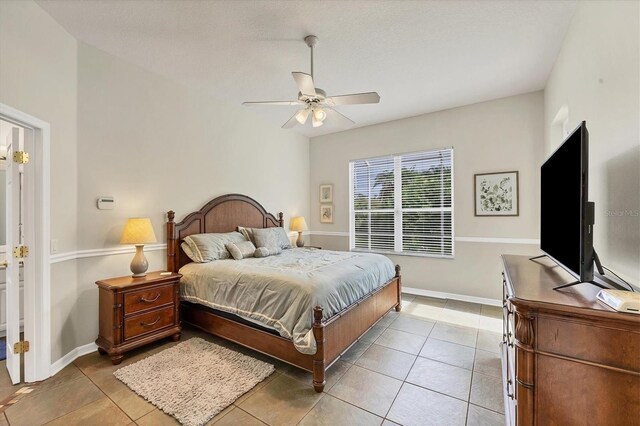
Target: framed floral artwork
x=496 y=194
x=326 y=193
x=326 y=213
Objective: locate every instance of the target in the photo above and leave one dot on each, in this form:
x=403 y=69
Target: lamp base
x=300 y=241
x=139 y=264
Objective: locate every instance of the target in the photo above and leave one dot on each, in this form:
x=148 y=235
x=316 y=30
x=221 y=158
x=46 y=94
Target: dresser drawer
x=149 y=298
x=148 y=322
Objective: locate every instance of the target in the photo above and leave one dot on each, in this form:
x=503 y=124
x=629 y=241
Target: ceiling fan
x=315 y=102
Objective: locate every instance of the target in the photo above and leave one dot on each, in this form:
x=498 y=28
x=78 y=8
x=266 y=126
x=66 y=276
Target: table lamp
x=298 y=224
x=138 y=231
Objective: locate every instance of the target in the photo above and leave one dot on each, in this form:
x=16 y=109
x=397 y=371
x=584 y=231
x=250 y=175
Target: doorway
x=24 y=149
x=12 y=272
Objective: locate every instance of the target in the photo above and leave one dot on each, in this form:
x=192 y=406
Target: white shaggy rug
x=194 y=380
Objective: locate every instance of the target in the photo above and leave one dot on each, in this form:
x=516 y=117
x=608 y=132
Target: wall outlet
x=54 y=246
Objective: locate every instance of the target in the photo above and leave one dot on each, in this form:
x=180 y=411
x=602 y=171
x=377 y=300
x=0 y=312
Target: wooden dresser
x=137 y=311
x=567 y=359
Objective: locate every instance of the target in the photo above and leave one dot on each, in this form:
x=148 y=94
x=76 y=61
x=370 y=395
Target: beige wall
x=157 y=146
x=152 y=144
x=38 y=75
x=597 y=77
x=501 y=135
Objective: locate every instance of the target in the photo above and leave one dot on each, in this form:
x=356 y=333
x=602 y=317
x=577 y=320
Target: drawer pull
x=143 y=300
x=150 y=324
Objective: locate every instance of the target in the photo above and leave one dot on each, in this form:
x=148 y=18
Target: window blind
x=403 y=203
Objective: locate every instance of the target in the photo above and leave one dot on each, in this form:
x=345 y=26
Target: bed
x=341 y=304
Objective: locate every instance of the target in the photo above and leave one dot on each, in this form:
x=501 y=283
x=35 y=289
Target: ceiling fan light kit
x=315 y=101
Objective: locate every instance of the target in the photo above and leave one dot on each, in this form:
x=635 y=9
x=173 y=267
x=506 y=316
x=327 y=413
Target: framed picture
x=326 y=213
x=496 y=194
x=326 y=193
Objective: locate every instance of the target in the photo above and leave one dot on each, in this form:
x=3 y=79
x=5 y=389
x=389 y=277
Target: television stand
x=571 y=284
x=538 y=257
x=596 y=260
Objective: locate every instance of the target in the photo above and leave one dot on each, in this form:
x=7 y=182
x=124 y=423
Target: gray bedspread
x=281 y=291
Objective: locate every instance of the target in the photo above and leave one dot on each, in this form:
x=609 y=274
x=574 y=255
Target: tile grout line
x=473 y=368
x=409 y=372
x=81 y=407
x=244 y=411
x=105 y=394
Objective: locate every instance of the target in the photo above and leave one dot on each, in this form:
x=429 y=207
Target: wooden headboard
x=222 y=214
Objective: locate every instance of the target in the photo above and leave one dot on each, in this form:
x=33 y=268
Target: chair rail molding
x=489 y=240
x=107 y=251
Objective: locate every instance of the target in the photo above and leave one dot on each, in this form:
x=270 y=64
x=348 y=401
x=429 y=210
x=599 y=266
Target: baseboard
x=72 y=356
x=441 y=295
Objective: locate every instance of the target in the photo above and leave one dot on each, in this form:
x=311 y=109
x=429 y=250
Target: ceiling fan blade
x=338 y=118
x=355 y=98
x=292 y=122
x=281 y=103
x=305 y=83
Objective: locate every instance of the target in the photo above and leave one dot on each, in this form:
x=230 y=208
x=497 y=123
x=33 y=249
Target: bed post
x=399 y=305
x=319 y=356
x=171 y=239
x=280 y=220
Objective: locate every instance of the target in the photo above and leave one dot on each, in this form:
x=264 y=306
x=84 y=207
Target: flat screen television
x=566 y=228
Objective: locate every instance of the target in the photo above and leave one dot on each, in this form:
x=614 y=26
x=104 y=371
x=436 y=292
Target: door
x=13 y=263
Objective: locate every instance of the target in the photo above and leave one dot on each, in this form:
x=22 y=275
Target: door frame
x=37 y=312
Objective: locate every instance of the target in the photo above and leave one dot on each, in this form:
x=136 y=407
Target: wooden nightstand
x=137 y=311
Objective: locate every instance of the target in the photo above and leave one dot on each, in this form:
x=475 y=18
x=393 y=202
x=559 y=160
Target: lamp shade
x=299 y=224
x=138 y=230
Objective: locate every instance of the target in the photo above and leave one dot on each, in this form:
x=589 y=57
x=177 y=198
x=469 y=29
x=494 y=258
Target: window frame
x=397 y=208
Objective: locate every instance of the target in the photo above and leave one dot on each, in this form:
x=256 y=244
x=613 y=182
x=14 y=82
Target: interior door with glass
x=13 y=240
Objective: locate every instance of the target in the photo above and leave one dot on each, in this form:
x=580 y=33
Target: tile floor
x=435 y=363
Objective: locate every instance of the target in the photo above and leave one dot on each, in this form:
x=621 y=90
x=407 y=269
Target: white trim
x=329 y=233
x=108 y=251
x=74 y=354
x=498 y=240
x=441 y=295
x=493 y=240
x=38 y=299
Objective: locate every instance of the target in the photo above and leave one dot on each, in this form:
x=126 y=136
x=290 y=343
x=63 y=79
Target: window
x=403 y=204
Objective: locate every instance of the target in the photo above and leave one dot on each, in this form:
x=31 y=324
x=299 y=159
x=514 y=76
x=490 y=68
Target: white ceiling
x=420 y=56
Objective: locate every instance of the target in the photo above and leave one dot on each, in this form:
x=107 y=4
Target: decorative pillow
x=241 y=250
x=208 y=247
x=271 y=237
x=248 y=233
x=267 y=251
x=187 y=250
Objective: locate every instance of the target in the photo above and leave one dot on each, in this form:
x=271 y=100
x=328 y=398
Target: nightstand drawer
x=148 y=298
x=146 y=323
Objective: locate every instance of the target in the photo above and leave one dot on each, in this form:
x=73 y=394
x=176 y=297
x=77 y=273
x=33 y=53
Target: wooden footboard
x=333 y=336
x=338 y=333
